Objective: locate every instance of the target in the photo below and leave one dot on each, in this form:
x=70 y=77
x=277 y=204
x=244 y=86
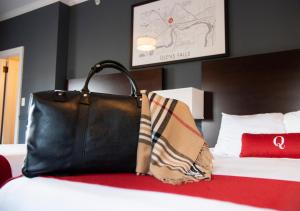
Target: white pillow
x=233 y=126
x=292 y=122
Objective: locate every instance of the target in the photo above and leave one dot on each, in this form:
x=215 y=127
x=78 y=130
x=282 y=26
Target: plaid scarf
x=170 y=147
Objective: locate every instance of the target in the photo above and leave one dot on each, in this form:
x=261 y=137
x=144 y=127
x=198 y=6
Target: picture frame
x=182 y=30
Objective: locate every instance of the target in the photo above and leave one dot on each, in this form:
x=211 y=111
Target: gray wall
x=39 y=32
x=102 y=32
x=62 y=47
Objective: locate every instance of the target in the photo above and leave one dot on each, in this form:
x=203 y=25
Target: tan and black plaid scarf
x=170 y=147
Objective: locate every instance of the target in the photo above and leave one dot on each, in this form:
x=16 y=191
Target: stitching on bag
x=85 y=132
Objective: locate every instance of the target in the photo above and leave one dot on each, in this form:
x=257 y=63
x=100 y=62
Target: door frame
x=18 y=51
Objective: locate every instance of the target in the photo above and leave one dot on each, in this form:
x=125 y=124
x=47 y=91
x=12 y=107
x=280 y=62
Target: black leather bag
x=73 y=132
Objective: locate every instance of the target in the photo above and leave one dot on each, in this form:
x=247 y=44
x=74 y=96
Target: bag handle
x=111 y=64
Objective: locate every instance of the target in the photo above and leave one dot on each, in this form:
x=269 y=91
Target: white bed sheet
x=268 y=168
x=15 y=154
x=51 y=194
x=56 y=195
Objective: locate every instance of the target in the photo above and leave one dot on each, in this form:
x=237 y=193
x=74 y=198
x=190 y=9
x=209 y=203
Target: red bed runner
x=264 y=193
x=5 y=170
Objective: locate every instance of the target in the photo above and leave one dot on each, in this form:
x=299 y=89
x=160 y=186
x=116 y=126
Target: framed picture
x=169 y=31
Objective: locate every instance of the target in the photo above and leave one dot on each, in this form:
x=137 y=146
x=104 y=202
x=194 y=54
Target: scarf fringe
x=204 y=160
x=203 y=163
x=183 y=180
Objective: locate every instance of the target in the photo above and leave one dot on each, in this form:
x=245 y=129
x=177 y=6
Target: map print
x=183 y=29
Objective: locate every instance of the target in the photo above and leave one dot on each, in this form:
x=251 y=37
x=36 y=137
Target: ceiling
x=12 y=8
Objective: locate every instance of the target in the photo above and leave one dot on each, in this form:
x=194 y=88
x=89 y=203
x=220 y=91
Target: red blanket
x=264 y=193
x=5 y=170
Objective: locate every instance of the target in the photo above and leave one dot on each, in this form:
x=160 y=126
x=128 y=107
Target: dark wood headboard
x=248 y=85
x=117 y=83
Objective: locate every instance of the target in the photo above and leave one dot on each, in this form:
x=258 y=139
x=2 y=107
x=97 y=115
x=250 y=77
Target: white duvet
x=15 y=154
x=44 y=194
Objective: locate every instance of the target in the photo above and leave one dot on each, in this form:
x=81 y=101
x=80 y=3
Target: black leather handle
x=111 y=64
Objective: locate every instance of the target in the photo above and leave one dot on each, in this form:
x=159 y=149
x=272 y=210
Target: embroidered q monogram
x=278 y=141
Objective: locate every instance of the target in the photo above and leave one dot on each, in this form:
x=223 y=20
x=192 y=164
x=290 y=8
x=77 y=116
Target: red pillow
x=5 y=170
x=271 y=145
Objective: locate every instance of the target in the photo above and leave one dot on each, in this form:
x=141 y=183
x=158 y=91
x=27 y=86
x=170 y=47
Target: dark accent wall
x=62 y=47
x=102 y=32
x=43 y=36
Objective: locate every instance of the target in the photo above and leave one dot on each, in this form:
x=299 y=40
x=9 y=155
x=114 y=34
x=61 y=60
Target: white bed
x=15 y=154
x=48 y=194
x=268 y=168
